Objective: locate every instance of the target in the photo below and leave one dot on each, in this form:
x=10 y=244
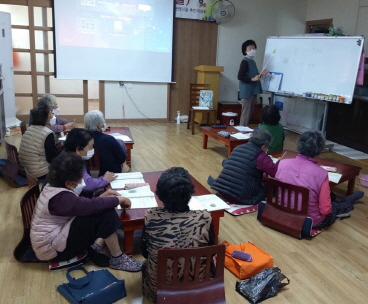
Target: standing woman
x=249 y=84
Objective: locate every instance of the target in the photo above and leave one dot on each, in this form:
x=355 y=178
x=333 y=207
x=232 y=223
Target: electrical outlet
x=121 y=83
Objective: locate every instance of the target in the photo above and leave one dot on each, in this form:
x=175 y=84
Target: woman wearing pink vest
x=304 y=171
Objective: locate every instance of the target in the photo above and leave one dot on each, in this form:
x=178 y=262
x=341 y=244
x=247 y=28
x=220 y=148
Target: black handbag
x=98 y=286
x=262 y=286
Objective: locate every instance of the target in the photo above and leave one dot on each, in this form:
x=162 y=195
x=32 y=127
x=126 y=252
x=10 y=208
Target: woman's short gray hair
x=52 y=99
x=92 y=119
x=310 y=143
x=44 y=102
x=261 y=137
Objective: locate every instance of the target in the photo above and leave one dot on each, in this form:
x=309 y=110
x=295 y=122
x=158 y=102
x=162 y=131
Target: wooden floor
x=331 y=268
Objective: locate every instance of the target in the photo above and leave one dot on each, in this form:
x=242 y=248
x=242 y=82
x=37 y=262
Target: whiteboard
x=322 y=64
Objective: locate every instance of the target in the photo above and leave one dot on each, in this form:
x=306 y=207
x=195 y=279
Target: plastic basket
x=363 y=179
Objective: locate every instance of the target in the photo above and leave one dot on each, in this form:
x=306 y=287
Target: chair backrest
x=94 y=161
x=195 y=89
x=190 y=275
x=31 y=180
x=12 y=166
x=23 y=127
x=27 y=204
x=23 y=252
x=286 y=208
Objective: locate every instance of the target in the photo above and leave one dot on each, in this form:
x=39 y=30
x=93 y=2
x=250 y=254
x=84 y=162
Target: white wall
x=254 y=20
x=140 y=100
x=343 y=12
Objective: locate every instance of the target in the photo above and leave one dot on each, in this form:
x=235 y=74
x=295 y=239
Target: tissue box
x=206 y=98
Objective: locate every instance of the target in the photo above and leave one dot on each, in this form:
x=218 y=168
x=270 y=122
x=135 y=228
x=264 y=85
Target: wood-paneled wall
x=195 y=43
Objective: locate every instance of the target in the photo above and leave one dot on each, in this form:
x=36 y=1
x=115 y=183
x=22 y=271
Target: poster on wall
x=194 y=9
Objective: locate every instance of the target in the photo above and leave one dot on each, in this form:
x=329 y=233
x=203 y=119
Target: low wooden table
x=128 y=144
x=230 y=142
x=134 y=219
x=348 y=172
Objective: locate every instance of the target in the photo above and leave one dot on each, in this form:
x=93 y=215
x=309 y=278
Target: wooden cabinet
x=231 y=106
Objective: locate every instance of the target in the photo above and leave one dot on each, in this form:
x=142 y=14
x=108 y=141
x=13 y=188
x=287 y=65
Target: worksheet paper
x=209 y=202
x=120 y=136
x=126 y=178
x=140 y=197
x=244 y=129
x=241 y=135
x=334 y=177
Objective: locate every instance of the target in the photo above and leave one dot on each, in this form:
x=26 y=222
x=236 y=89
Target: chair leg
x=189 y=116
x=192 y=122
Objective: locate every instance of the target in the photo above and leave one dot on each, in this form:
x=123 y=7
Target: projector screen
x=118 y=40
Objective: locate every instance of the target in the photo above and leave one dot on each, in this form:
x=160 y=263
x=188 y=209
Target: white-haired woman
x=112 y=151
x=57 y=123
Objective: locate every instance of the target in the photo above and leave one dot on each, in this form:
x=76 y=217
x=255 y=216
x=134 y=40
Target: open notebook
x=141 y=197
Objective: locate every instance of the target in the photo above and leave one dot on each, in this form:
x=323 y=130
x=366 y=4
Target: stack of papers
x=141 y=197
x=244 y=129
x=126 y=178
x=200 y=108
x=120 y=136
x=240 y=135
x=209 y=202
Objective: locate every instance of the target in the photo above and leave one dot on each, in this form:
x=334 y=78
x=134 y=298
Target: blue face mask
x=77 y=190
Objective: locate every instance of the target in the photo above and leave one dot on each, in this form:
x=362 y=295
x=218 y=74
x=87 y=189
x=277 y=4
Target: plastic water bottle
x=178 y=118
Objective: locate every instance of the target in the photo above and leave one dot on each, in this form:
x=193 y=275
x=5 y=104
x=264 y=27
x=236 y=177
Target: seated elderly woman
x=304 y=171
x=56 y=123
x=241 y=179
x=112 y=151
x=37 y=147
x=161 y=225
x=270 y=122
x=65 y=224
x=80 y=142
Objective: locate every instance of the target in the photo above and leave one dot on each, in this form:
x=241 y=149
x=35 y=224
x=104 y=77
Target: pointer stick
x=264 y=67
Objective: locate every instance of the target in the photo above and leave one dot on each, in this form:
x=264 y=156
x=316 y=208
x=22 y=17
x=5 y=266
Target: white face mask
x=56 y=111
x=104 y=128
x=251 y=53
x=90 y=153
x=77 y=190
x=53 y=120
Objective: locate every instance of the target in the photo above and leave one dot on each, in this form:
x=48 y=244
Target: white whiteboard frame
x=317 y=64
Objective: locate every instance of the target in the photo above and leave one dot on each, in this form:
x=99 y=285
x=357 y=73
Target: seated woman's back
x=173 y=226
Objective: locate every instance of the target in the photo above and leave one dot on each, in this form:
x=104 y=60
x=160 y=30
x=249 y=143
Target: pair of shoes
x=97 y=256
x=123 y=262
x=342 y=216
x=126 y=168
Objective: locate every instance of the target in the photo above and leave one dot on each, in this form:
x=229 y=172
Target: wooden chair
x=31 y=180
x=94 y=164
x=12 y=169
x=24 y=252
x=195 y=89
x=23 y=127
x=286 y=209
x=187 y=285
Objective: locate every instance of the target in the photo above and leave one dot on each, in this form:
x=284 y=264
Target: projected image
x=119 y=24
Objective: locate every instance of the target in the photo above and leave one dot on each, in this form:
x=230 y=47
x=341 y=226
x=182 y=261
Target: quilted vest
x=49 y=232
x=240 y=178
x=32 y=153
x=303 y=171
x=247 y=90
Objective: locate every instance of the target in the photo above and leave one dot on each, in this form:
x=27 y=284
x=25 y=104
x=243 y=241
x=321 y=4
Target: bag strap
x=78 y=283
x=286 y=283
